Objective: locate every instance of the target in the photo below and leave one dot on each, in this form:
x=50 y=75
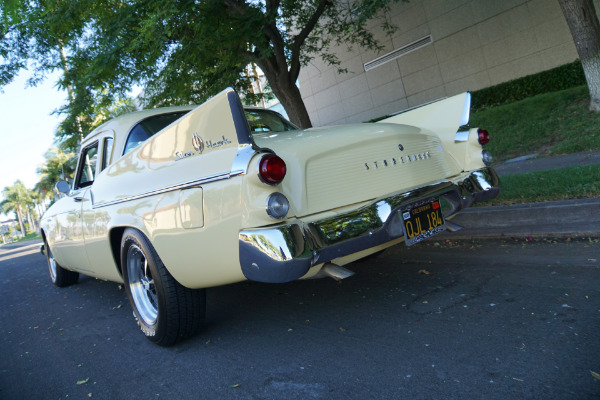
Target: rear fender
x=212 y=141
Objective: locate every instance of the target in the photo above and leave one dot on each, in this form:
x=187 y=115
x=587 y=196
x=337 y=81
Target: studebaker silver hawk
x=171 y=201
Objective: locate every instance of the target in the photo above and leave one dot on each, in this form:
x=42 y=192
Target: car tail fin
x=440 y=116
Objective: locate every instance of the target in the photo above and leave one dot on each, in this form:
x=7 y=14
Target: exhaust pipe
x=452 y=227
x=333 y=271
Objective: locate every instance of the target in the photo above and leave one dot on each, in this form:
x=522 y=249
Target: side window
x=106 y=152
x=137 y=135
x=87 y=166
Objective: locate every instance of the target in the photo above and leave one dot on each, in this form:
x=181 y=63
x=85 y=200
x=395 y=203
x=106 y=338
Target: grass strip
x=548 y=124
x=556 y=184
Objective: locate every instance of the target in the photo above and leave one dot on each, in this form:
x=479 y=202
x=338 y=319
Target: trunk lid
x=344 y=165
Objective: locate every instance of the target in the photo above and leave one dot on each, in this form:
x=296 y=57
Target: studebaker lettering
x=397 y=160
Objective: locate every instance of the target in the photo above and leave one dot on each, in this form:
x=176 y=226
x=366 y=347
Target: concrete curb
x=569 y=218
x=531 y=163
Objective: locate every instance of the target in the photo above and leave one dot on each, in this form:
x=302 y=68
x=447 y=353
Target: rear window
x=261 y=121
x=149 y=127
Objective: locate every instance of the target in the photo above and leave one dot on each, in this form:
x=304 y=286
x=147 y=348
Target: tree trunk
x=33 y=225
x=583 y=22
x=292 y=101
x=20 y=219
x=287 y=92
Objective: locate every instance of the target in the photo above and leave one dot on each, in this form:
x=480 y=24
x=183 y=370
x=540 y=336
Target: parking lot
x=492 y=319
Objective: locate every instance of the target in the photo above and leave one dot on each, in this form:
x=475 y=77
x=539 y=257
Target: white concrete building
x=442 y=47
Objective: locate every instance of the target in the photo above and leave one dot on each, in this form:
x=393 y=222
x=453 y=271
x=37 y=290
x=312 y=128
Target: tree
x=16 y=199
x=183 y=51
x=3 y=232
x=58 y=165
x=32 y=215
x=583 y=23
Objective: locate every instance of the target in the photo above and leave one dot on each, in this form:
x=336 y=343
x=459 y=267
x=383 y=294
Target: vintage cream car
x=171 y=201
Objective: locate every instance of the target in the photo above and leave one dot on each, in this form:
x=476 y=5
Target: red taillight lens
x=483 y=136
x=271 y=169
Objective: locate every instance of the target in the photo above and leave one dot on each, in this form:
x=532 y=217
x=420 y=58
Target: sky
x=27 y=128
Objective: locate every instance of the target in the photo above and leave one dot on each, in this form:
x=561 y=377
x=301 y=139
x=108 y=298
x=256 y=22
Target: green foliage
x=32 y=33
x=17 y=199
x=58 y=165
x=29 y=236
x=180 y=52
x=547 y=124
x=560 y=78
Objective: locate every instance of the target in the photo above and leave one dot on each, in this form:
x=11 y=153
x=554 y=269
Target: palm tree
x=41 y=197
x=32 y=216
x=16 y=199
x=58 y=165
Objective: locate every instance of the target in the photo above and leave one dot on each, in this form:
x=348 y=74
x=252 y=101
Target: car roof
x=124 y=122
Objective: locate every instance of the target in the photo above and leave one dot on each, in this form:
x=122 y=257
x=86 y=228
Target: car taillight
x=483 y=136
x=271 y=169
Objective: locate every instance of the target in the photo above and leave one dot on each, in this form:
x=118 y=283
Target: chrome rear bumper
x=285 y=253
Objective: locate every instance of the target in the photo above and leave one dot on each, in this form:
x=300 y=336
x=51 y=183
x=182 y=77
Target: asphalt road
x=446 y=320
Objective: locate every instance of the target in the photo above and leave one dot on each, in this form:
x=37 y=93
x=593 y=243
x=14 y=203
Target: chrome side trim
x=461 y=136
x=242 y=159
x=246 y=150
x=185 y=185
x=464 y=120
x=284 y=253
x=239 y=167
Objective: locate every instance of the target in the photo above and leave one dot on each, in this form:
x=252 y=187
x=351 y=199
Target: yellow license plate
x=422 y=220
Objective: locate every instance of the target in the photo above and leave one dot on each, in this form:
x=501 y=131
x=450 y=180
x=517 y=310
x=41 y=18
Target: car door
x=95 y=221
x=71 y=248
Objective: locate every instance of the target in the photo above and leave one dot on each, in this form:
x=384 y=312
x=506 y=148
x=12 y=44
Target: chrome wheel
x=165 y=311
x=51 y=265
x=58 y=275
x=141 y=285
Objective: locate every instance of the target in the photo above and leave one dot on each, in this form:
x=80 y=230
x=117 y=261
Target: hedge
x=563 y=77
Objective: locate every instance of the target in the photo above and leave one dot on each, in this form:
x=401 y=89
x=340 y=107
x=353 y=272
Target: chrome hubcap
x=51 y=265
x=141 y=285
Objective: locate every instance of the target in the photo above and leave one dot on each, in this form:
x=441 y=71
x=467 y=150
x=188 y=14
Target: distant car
x=171 y=201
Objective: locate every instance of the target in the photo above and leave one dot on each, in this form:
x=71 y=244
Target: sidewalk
x=569 y=218
x=531 y=163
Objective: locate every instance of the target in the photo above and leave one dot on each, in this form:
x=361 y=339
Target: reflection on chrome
x=482 y=181
x=383 y=210
x=286 y=252
x=279 y=244
x=464 y=120
x=461 y=136
x=274 y=245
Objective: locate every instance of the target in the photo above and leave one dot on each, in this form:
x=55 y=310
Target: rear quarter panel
x=182 y=197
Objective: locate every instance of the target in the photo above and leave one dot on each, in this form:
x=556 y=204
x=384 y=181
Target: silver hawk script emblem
x=198 y=143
